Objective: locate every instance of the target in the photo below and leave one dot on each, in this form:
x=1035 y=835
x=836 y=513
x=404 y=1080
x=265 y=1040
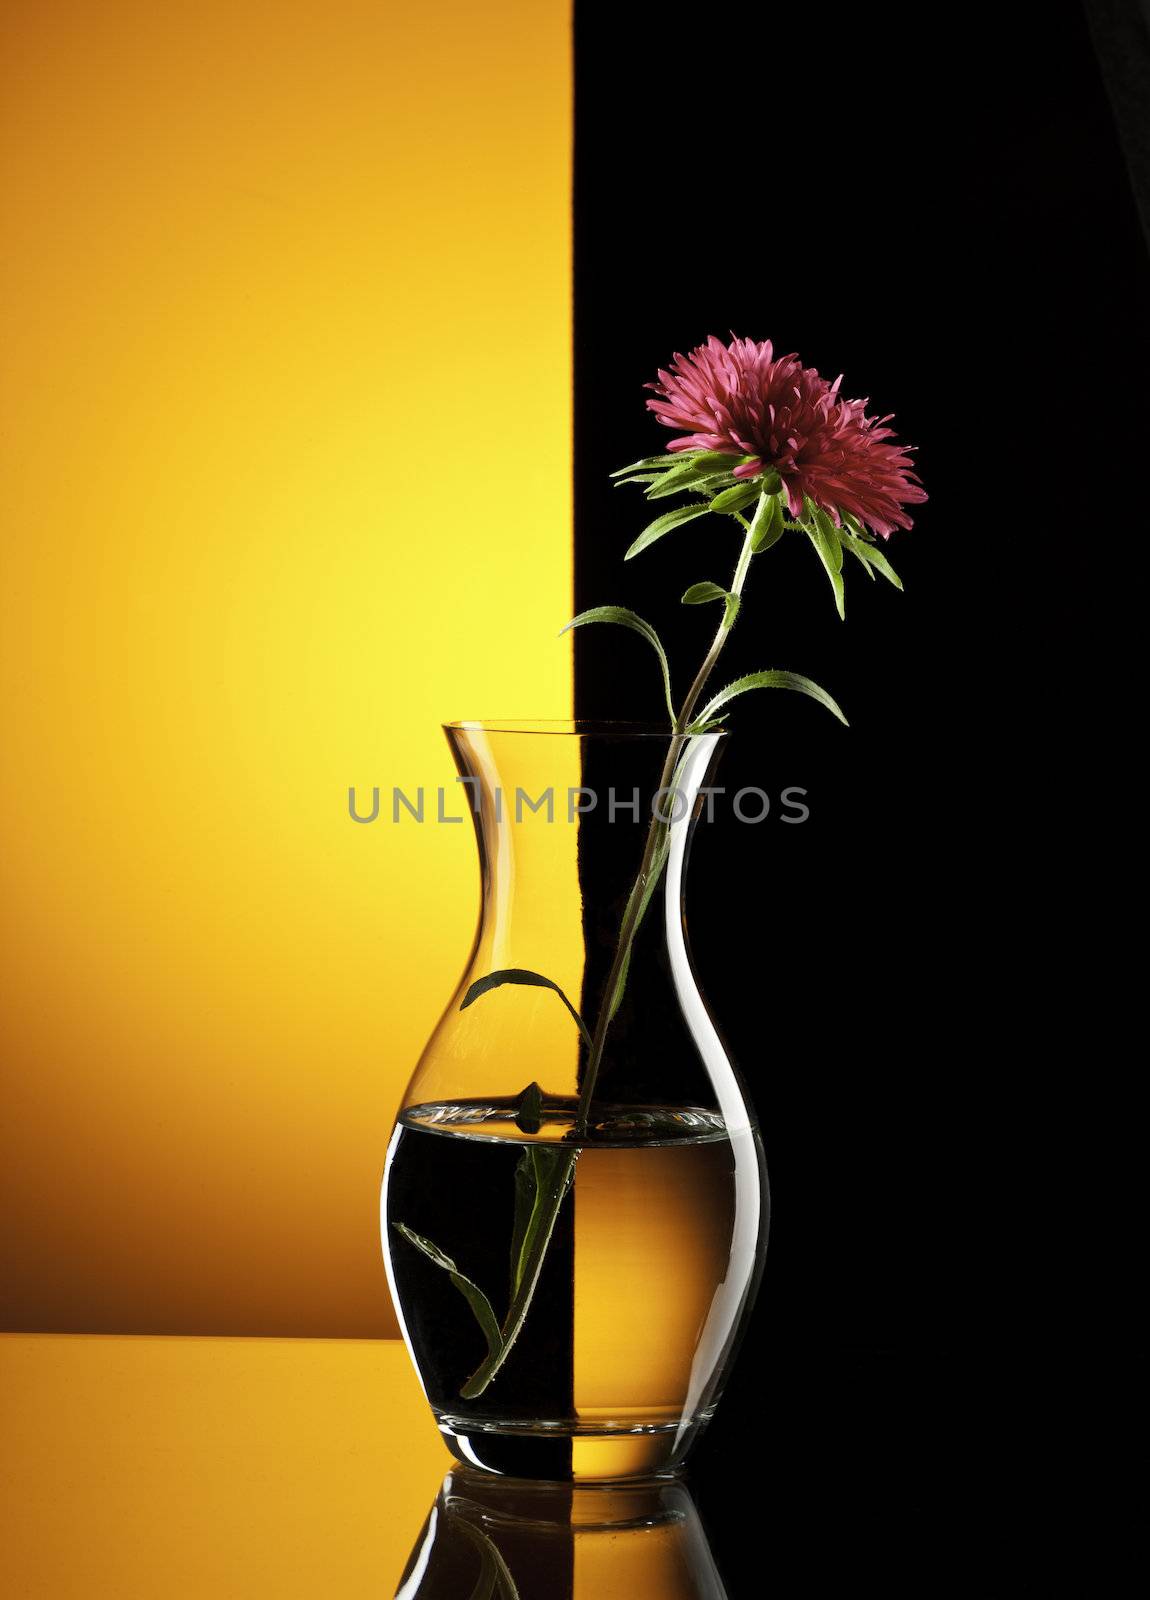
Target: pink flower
x=739 y=399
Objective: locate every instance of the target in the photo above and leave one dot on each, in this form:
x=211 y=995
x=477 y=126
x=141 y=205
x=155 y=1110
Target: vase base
x=565 y=1452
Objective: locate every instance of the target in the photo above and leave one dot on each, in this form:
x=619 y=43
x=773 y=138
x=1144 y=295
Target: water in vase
x=653 y=1256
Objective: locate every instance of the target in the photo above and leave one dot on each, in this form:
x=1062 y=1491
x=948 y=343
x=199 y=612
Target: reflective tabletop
x=209 y=1468
x=189 y=1467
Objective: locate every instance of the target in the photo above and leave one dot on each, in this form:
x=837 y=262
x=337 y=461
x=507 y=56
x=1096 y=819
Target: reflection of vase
x=521 y=1541
x=646 y=1263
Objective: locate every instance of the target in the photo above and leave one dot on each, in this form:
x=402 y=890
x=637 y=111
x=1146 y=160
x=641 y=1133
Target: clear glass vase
x=575 y=1204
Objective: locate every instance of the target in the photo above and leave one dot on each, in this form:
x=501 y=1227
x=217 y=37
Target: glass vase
x=575 y=1205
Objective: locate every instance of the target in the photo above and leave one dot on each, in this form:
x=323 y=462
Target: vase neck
x=561 y=823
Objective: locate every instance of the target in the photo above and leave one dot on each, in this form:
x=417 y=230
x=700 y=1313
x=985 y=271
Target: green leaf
x=702 y=471
x=533 y=1171
x=529 y=1109
x=471 y=1292
x=717 y=460
x=858 y=549
x=829 y=552
x=831 y=534
x=876 y=558
x=766 y=524
x=731 y=610
x=667 y=483
x=522 y=975
x=664 y=524
x=767 y=680
x=856 y=527
x=628 y=619
x=735 y=498
x=873 y=560
x=700 y=593
x=642 y=466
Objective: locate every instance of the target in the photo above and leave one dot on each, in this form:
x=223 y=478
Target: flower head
x=741 y=400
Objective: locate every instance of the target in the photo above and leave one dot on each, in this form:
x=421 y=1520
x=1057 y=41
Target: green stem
x=652 y=863
x=658 y=827
x=532 y=1268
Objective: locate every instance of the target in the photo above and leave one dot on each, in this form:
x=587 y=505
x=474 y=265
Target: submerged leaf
x=471 y=1292
x=526 y=1194
x=531 y=980
x=529 y=1109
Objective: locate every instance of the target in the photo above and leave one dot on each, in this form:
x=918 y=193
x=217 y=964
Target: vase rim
x=569 y=727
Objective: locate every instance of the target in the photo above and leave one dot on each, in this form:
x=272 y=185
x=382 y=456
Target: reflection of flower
x=741 y=400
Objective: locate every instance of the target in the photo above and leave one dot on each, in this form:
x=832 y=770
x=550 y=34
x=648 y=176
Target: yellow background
x=285 y=300
x=212 y=1469
x=226 y=1469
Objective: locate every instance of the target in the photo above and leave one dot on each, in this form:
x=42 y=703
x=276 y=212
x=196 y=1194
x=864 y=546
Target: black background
x=934 y=203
